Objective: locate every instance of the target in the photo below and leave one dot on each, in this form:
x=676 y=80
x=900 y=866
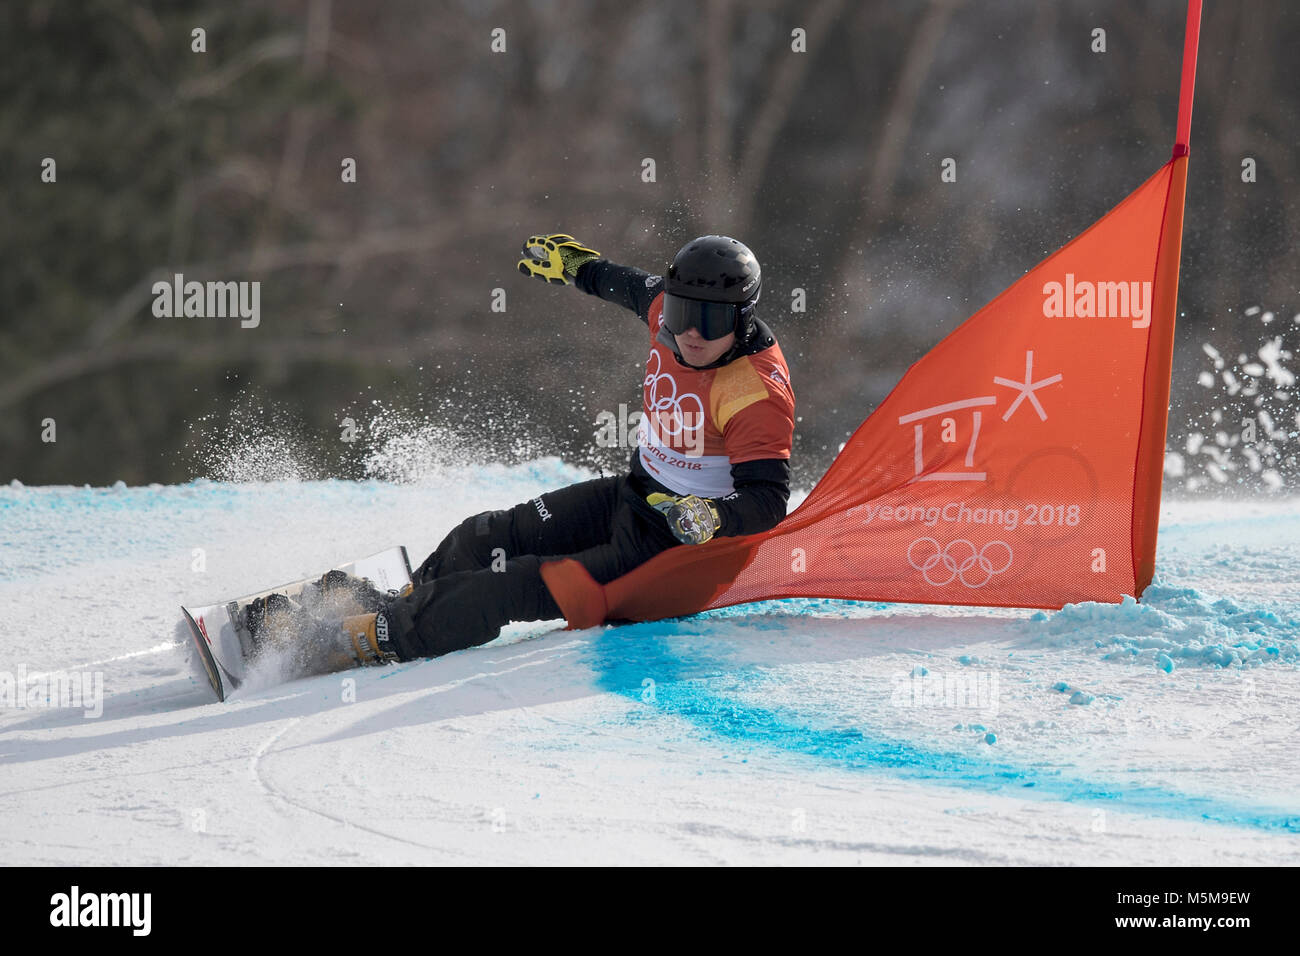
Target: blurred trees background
x=226 y=166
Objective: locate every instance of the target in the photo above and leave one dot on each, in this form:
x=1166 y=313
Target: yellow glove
x=693 y=519
x=555 y=258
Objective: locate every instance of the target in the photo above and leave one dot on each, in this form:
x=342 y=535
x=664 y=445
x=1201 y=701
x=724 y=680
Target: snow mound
x=1172 y=624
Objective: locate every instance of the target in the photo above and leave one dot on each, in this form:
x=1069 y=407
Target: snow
x=1161 y=731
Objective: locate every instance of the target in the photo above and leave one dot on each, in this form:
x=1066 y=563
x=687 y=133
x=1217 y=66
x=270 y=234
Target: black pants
x=486 y=573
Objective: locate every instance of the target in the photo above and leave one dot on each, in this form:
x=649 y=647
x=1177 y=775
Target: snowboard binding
x=342 y=594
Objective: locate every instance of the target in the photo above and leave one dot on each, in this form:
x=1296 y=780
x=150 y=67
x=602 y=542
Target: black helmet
x=712 y=285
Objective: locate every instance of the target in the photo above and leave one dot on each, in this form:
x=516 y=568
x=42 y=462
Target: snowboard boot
x=270 y=620
x=311 y=644
x=370 y=637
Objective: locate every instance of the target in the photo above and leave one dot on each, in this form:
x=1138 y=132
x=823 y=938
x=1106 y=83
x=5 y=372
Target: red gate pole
x=1149 y=465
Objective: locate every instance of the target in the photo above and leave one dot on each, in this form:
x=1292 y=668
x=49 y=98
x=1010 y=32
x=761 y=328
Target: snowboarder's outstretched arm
x=562 y=260
x=627 y=286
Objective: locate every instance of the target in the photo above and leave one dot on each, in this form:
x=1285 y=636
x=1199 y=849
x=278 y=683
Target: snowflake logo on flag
x=1027 y=388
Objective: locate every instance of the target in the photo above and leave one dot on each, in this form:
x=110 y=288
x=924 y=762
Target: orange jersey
x=697 y=423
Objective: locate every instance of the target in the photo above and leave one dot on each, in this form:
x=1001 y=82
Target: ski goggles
x=713 y=319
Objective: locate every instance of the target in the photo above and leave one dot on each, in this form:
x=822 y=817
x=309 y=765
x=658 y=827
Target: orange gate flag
x=1017 y=464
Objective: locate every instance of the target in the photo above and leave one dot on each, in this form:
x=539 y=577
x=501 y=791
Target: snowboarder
x=712 y=458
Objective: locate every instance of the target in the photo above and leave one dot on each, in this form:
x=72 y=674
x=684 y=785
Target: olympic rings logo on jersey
x=956 y=559
x=661 y=398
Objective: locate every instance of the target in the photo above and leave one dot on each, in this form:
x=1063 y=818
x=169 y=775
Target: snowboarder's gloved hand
x=693 y=519
x=555 y=258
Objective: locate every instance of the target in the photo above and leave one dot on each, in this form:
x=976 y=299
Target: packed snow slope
x=1157 y=732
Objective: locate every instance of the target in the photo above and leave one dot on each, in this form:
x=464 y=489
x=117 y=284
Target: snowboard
x=224 y=646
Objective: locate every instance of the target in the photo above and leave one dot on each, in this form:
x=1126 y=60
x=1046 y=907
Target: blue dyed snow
x=990 y=738
x=622 y=657
x=783 y=608
x=1061 y=685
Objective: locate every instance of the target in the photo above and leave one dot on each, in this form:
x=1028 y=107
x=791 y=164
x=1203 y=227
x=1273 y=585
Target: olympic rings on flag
x=956 y=559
